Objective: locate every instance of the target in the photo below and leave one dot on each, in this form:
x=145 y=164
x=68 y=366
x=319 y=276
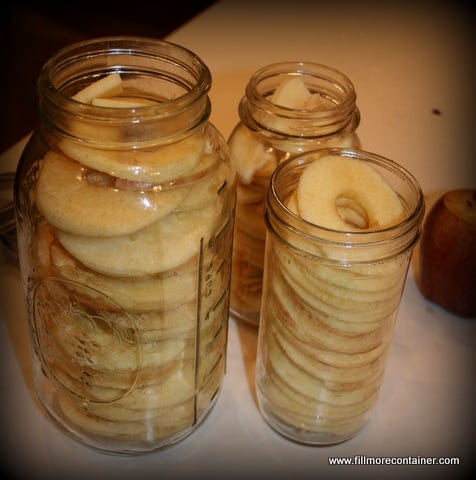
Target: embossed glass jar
x=125 y=202
x=269 y=133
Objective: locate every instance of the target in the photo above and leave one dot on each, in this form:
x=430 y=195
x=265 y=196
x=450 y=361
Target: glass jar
x=330 y=300
x=125 y=207
x=319 y=112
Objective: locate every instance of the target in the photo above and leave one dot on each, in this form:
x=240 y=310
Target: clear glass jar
x=267 y=134
x=125 y=207
x=330 y=300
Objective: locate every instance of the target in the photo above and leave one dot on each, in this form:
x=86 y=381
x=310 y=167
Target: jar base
x=299 y=435
x=121 y=447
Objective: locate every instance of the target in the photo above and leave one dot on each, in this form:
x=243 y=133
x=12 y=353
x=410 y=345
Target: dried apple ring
x=142 y=295
x=249 y=155
x=107 y=86
x=160 y=164
x=346 y=194
x=164 y=245
x=70 y=202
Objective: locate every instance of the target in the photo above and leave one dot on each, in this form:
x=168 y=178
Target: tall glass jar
x=331 y=293
x=125 y=207
x=288 y=108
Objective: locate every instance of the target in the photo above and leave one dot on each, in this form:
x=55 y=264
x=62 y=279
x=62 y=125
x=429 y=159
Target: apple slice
x=291 y=93
x=108 y=86
x=249 y=155
x=69 y=201
x=346 y=194
x=162 y=246
x=156 y=165
x=448 y=253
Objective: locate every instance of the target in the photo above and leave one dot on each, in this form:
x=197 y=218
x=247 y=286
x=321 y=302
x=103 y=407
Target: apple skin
x=448 y=253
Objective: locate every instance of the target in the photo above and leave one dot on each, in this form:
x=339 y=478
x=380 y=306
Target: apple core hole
x=351 y=212
x=95 y=177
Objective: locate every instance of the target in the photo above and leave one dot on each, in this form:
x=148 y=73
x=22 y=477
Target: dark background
x=31 y=32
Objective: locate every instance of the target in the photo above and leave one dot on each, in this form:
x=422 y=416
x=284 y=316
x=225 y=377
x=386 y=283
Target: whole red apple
x=448 y=253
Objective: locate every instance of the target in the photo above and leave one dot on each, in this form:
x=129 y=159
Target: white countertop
x=405 y=63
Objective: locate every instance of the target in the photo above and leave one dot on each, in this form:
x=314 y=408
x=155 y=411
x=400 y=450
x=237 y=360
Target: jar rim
x=115 y=47
x=339 y=80
x=337 y=113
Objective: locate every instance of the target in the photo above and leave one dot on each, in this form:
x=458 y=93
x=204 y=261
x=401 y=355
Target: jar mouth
x=171 y=75
x=336 y=113
x=401 y=235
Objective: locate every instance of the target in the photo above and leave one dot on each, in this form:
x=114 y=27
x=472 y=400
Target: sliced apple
x=205 y=183
x=319 y=102
x=164 y=245
x=249 y=155
x=104 y=292
x=108 y=86
x=71 y=202
x=291 y=93
x=157 y=165
x=346 y=194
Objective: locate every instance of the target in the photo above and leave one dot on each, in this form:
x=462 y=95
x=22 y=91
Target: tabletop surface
x=413 y=71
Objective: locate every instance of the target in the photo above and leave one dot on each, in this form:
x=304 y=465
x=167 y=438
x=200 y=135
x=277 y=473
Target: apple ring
x=283 y=404
x=81 y=338
x=152 y=293
x=318 y=413
x=339 y=308
x=160 y=164
x=175 y=388
x=323 y=405
x=117 y=381
x=309 y=362
x=331 y=358
x=158 y=325
x=104 y=87
x=346 y=194
x=326 y=393
x=177 y=385
x=160 y=414
x=145 y=430
x=249 y=156
x=284 y=304
x=139 y=416
x=356 y=290
x=310 y=388
x=211 y=176
x=71 y=203
x=162 y=246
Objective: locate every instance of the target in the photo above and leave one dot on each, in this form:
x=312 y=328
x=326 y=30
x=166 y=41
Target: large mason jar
x=125 y=207
x=288 y=108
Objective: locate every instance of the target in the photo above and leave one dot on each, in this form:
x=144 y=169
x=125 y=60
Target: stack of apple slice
x=327 y=322
x=126 y=241
x=255 y=159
